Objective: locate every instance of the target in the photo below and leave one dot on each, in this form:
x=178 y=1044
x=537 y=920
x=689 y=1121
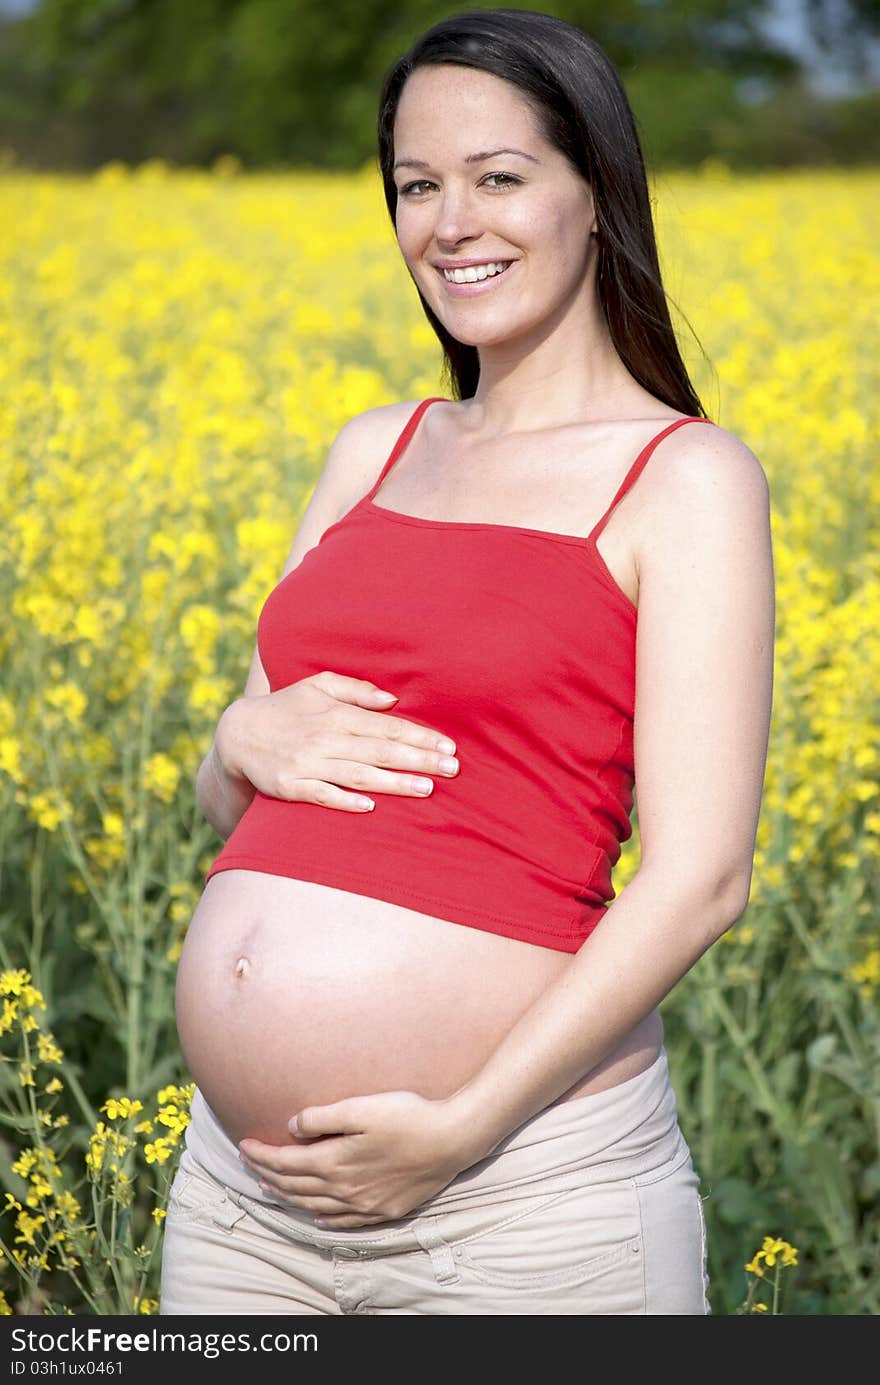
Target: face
x=529 y=211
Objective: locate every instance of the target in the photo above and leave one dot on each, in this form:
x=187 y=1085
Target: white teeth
x=475 y=272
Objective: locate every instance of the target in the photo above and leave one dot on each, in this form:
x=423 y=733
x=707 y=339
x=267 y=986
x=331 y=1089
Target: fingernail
x=448 y=747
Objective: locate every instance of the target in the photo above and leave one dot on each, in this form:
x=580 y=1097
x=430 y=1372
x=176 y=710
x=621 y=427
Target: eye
x=407 y=189
x=511 y=180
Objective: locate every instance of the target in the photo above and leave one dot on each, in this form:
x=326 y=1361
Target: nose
x=457 y=219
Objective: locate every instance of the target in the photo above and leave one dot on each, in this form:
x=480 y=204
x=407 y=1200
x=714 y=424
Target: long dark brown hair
x=583 y=111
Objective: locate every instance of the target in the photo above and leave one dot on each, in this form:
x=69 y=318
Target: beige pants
x=592 y=1206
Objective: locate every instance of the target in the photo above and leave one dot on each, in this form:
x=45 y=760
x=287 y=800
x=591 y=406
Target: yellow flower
x=113 y=825
x=175 y=1118
x=10 y=758
x=67 y=1205
x=28 y=1227
x=47 y=1049
x=39 y=1189
x=13 y=982
x=25 y=1162
x=161 y=776
x=867 y=972
x=158 y=1214
x=158 y=1152
x=121 y=1108
x=70 y=699
x=5 y=1310
x=45 y=811
x=770 y=1249
x=94 y=1157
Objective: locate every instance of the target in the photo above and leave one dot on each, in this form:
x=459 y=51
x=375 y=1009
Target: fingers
x=359 y=691
x=318 y=1205
x=305 y=1192
x=291 y=1160
x=341 y=747
x=367 y=778
x=387 y=727
x=371 y=764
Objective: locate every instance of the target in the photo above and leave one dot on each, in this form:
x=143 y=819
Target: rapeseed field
x=177 y=350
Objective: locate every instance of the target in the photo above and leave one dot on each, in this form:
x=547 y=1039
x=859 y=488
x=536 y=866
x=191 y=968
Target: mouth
x=476 y=278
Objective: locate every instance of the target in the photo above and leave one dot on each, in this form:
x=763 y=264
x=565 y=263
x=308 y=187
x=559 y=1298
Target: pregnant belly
x=292 y=994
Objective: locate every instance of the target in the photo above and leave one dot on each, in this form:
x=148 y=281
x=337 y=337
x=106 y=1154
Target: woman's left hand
x=365 y=1159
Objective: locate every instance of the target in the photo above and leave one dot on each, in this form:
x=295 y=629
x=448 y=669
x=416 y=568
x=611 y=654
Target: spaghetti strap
x=408 y=430
x=635 y=470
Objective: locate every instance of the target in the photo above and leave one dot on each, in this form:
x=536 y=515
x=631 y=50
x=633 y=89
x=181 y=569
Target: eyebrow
x=469 y=158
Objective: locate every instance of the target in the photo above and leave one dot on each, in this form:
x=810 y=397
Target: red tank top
x=516 y=642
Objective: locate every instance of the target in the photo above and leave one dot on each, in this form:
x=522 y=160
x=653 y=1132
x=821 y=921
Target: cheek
x=413 y=222
x=567 y=245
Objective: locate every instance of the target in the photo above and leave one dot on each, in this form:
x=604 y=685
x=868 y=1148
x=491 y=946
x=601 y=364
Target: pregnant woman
x=430 y=1067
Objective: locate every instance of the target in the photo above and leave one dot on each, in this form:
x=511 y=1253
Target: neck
x=566 y=371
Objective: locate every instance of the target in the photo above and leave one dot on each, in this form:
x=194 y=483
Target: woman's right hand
x=326 y=734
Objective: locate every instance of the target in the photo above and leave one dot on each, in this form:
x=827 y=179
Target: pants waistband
x=625 y=1131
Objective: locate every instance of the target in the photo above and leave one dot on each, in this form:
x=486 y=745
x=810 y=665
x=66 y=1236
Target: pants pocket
x=194 y=1192
x=576 y=1251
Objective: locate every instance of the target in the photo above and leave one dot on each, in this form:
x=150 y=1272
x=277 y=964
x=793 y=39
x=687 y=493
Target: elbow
x=733 y=892
x=712 y=899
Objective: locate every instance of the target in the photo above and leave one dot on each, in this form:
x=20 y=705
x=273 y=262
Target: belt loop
x=442 y=1263
x=228 y=1211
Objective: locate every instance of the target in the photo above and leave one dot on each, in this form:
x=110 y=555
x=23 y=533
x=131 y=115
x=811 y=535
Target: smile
x=464 y=283
x=477 y=271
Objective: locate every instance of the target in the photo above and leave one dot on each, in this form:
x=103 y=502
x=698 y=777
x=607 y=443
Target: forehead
x=445 y=105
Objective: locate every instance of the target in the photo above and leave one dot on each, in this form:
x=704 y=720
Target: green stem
x=43 y=1148
x=38 y=916
x=82 y=1101
x=772 y=1105
x=105 y=1245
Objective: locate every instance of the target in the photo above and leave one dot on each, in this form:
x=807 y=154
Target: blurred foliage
x=296 y=82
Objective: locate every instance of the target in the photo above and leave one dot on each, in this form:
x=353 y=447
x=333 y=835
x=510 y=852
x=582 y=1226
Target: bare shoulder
x=362 y=445
x=710 y=457
x=379 y=421
x=707 y=479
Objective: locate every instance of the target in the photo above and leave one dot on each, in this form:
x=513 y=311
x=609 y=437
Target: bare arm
x=704 y=677
x=353 y=461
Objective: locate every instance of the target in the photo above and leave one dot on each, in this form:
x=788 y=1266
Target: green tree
x=296 y=81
